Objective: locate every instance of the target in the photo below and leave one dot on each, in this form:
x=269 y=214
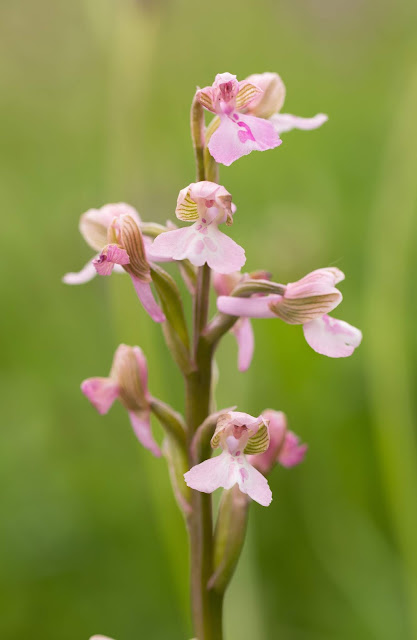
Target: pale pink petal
x=248 y=307
x=143 y=369
x=151 y=256
x=100 y=638
x=212 y=474
x=213 y=247
x=111 y=255
x=331 y=337
x=101 y=392
x=225 y=283
x=246 y=342
x=86 y=274
x=238 y=135
x=316 y=283
x=277 y=428
x=292 y=452
x=205 y=98
x=141 y=424
x=284 y=122
x=145 y=295
x=254 y=484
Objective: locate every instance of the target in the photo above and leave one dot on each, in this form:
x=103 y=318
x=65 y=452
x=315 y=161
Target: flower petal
x=284 y=122
x=237 y=137
x=87 y=273
x=254 y=484
x=145 y=295
x=292 y=452
x=101 y=392
x=141 y=424
x=246 y=342
x=271 y=100
x=216 y=249
x=212 y=474
x=331 y=337
x=248 y=91
x=248 y=307
x=205 y=98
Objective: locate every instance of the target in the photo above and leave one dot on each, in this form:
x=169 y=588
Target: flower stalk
x=246 y=118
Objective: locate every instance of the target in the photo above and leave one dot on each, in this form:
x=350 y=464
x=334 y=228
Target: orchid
x=268 y=104
x=237 y=134
x=284 y=446
x=237 y=434
x=127 y=382
x=305 y=302
x=246 y=118
x=119 y=223
x=206 y=204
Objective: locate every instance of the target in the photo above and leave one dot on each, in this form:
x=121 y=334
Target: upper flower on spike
x=237 y=434
x=305 y=302
x=207 y=204
x=284 y=446
x=268 y=104
x=237 y=134
x=100 y=638
x=128 y=382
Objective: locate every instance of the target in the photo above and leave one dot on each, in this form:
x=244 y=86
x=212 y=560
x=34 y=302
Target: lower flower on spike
x=238 y=434
x=127 y=382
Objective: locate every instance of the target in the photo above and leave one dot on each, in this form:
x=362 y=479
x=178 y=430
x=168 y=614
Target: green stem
x=206 y=604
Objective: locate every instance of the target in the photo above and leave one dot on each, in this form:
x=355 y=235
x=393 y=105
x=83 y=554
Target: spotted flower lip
x=238 y=134
x=305 y=302
x=207 y=205
x=127 y=382
x=284 y=446
x=268 y=104
x=237 y=434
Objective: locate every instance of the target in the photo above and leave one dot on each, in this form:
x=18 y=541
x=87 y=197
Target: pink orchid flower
x=127 y=382
x=207 y=204
x=284 y=446
x=100 y=638
x=117 y=220
x=242 y=330
x=305 y=302
x=237 y=434
x=268 y=105
x=237 y=134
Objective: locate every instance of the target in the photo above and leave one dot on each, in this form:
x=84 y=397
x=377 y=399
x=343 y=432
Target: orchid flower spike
x=237 y=434
x=305 y=302
x=128 y=382
x=268 y=104
x=207 y=204
x=284 y=446
x=110 y=227
x=237 y=134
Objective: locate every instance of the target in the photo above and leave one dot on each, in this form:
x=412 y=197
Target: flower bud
x=271 y=100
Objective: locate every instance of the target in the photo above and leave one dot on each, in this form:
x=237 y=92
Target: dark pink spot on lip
x=235 y=116
x=203 y=220
x=237 y=453
x=243 y=474
x=102 y=258
x=245 y=133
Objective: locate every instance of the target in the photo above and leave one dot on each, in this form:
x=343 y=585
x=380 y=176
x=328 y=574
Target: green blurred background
x=94 y=108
